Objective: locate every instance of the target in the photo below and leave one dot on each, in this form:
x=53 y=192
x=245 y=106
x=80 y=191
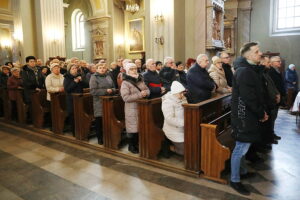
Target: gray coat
x=130 y=94
x=98 y=87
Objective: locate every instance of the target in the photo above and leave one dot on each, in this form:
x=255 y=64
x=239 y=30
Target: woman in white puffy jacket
x=174 y=116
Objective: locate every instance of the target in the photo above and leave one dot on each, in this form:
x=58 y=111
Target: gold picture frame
x=136 y=35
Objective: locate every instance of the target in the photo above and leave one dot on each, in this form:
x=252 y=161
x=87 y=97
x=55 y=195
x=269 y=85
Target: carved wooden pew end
x=216 y=147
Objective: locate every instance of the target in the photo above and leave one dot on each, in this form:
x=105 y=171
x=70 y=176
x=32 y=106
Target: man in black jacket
x=225 y=58
x=152 y=80
x=199 y=84
x=168 y=73
x=30 y=77
x=277 y=78
x=248 y=110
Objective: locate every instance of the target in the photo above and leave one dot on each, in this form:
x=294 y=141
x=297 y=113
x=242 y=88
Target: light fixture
x=132 y=6
x=159 y=18
x=159 y=40
x=6 y=43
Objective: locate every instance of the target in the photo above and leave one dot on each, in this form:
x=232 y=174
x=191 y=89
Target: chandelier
x=132 y=6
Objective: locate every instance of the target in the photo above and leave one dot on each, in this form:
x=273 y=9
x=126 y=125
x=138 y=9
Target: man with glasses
x=277 y=78
x=168 y=73
x=225 y=58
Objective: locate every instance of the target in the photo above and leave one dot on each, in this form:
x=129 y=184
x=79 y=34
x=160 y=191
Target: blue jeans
x=238 y=165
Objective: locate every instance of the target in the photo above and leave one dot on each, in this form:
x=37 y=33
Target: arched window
x=285 y=17
x=78 y=37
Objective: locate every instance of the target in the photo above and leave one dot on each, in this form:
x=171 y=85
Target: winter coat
x=218 y=75
x=290 y=77
x=53 y=84
x=247 y=106
x=182 y=78
x=114 y=75
x=271 y=89
x=130 y=94
x=167 y=76
x=3 y=80
x=173 y=117
x=228 y=73
x=70 y=87
x=98 y=87
x=30 y=79
x=278 y=81
x=199 y=84
x=13 y=83
x=153 y=82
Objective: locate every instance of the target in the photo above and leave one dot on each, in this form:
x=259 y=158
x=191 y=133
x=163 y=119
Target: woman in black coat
x=72 y=84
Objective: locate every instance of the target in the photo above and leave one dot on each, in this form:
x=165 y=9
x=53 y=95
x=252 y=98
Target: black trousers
x=14 y=110
x=98 y=126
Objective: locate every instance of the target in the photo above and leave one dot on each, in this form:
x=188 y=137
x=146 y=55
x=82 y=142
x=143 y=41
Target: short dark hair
x=246 y=47
x=30 y=58
x=178 y=63
x=158 y=63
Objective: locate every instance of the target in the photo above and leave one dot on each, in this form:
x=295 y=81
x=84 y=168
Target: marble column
x=244 y=22
x=50 y=28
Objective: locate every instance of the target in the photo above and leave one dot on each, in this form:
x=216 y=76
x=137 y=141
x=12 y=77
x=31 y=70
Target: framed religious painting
x=136 y=36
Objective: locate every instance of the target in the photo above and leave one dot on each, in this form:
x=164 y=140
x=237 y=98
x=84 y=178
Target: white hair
x=168 y=59
x=148 y=61
x=273 y=58
x=200 y=57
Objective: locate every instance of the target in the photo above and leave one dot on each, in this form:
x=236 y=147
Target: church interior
x=92 y=138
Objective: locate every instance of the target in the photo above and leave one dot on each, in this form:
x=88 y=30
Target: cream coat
x=174 y=117
x=218 y=75
x=130 y=94
x=54 y=83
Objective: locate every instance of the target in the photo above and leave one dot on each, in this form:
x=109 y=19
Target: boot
x=131 y=146
x=136 y=141
x=165 y=148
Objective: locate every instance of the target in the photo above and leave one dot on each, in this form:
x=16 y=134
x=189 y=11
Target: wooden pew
x=290 y=97
x=150 y=125
x=194 y=115
x=40 y=107
x=83 y=115
x=58 y=111
x=21 y=107
x=216 y=147
x=6 y=104
x=113 y=120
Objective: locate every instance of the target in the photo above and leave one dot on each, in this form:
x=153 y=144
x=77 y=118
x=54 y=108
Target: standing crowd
x=255 y=81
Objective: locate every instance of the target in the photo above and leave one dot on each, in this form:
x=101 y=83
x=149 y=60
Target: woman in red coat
x=13 y=84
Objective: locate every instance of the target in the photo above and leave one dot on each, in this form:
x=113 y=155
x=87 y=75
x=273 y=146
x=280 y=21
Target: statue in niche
x=216 y=30
x=99 y=37
x=227 y=38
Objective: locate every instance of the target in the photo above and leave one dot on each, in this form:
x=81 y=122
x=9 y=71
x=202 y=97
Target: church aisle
x=38 y=167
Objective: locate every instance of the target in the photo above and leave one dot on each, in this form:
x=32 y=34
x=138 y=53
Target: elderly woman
x=13 y=83
x=55 y=81
x=72 y=84
x=101 y=84
x=216 y=72
x=132 y=89
x=174 y=116
x=291 y=78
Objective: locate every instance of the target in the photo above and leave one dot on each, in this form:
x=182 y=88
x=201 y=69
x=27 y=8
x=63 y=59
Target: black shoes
x=239 y=187
x=133 y=149
x=276 y=137
x=248 y=175
x=100 y=141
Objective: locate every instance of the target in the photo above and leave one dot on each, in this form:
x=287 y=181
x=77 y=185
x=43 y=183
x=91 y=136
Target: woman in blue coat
x=291 y=78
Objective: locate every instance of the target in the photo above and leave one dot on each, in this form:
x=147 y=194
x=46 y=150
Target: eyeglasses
x=277 y=61
x=226 y=57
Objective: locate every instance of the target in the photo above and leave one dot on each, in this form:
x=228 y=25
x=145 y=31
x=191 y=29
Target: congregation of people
x=255 y=81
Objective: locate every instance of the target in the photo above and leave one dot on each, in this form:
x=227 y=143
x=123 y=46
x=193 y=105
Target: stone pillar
x=50 y=28
x=24 y=29
x=100 y=38
x=244 y=22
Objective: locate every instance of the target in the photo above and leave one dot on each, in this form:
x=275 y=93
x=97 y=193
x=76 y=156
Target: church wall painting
x=136 y=36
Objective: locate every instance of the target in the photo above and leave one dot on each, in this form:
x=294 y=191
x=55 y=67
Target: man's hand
x=37 y=89
x=266 y=117
x=163 y=89
x=61 y=89
x=277 y=98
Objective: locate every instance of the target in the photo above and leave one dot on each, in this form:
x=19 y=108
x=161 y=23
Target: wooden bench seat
x=150 y=125
x=113 y=120
x=40 y=107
